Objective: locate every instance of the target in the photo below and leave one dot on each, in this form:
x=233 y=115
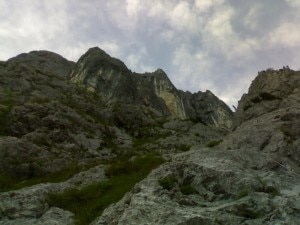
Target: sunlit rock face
x=99 y=72
x=164 y=89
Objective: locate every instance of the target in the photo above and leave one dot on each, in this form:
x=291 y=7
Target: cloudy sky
x=218 y=45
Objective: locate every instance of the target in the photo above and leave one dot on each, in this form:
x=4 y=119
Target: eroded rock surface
x=252 y=177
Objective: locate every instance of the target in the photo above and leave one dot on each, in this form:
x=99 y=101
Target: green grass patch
x=188 y=189
x=6 y=105
x=168 y=182
x=242 y=193
x=271 y=190
x=184 y=148
x=213 y=143
x=8 y=183
x=286 y=129
x=89 y=202
x=4 y=119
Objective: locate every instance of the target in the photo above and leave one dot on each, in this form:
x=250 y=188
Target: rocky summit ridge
x=92 y=142
x=110 y=78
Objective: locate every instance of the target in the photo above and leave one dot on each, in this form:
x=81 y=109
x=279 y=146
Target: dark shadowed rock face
x=206 y=107
x=43 y=123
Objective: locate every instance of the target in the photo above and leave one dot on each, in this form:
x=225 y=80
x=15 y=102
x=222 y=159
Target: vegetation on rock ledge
x=89 y=202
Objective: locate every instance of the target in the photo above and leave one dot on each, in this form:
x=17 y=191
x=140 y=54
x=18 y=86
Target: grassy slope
x=89 y=202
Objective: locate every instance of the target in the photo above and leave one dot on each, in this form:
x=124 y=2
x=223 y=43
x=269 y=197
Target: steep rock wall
x=164 y=89
x=109 y=77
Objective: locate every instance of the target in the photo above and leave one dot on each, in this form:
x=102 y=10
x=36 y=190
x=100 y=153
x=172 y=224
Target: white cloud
x=221 y=38
x=136 y=60
x=250 y=19
x=133 y=6
x=293 y=3
x=205 y=5
x=127 y=16
x=111 y=47
x=192 y=69
x=286 y=35
x=168 y=35
x=183 y=18
x=158 y=9
x=219 y=24
x=29 y=27
x=237 y=85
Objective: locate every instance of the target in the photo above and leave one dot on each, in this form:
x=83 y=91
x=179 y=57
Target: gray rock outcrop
x=252 y=177
x=46 y=124
x=59 y=117
x=270 y=90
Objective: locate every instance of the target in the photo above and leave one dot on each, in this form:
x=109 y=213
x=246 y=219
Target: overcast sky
x=218 y=45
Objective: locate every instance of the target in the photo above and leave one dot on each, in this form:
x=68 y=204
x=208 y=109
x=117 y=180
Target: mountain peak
x=159 y=70
x=96 y=58
x=96 y=50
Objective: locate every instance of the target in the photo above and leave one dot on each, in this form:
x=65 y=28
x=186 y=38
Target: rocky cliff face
x=37 y=114
x=252 y=177
x=79 y=131
x=271 y=89
x=164 y=89
x=109 y=77
x=206 y=107
x=64 y=122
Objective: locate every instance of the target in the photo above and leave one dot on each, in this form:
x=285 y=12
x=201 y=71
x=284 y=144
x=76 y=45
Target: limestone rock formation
x=112 y=80
x=252 y=177
x=271 y=89
x=206 y=107
x=164 y=89
x=59 y=118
